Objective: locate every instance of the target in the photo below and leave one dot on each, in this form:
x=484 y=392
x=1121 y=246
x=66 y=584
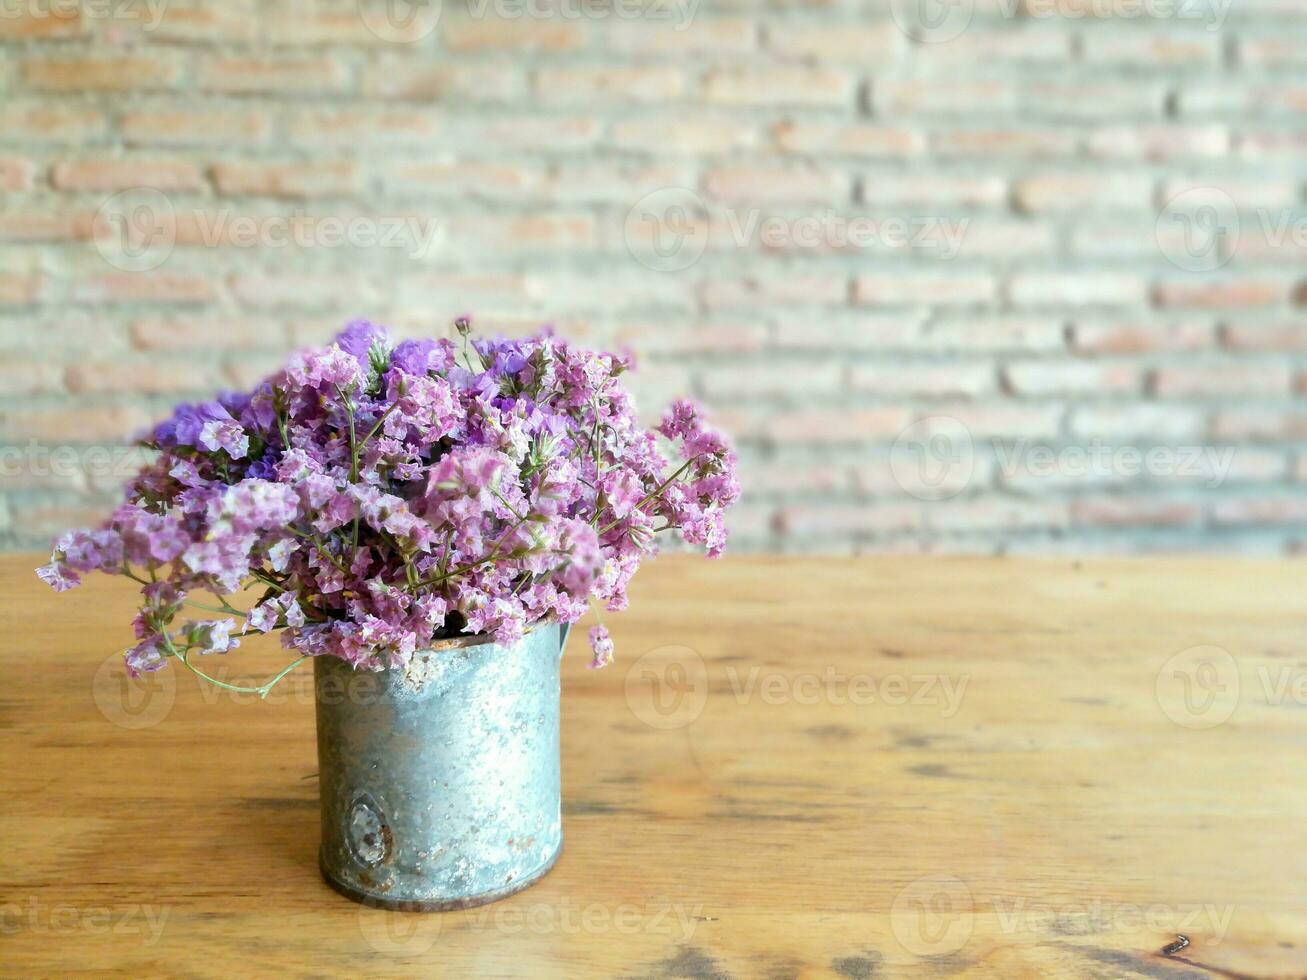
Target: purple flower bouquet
x=382 y=497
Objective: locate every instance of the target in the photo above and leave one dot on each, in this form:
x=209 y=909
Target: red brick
x=1275 y=336
x=425 y=81
x=143 y=287
x=774 y=290
x=339 y=178
x=85 y=425
x=211 y=22
x=1139 y=336
x=1013 y=45
x=933 y=190
x=154 y=377
x=350 y=128
x=41 y=22
x=628 y=83
x=787 y=184
x=1142 y=420
x=985 y=239
x=1015 y=333
x=1266 y=379
x=1134 y=511
x=503 y=234
x=1159 y=142
x=1006 y=421
x=347 y=26
x=824 y=426
x=609 y=181
x=187 y=125
x=759 y=380
x=779 y=86
x=785 y=478
x=914 y=97
x=924 y=290
x=1082 y=102
x=1268 y=423
x=859 y=43
x=1001 y=513
x=847 y=139
x=274 y=290
x=1033 y=144
x=29 y=378
x=247 y=372
x=1077 y=289
x=38 y=521
x=531 y=133
x=215 y=335
x=41 y=122
x=840 y=520
x=1271 y=52
x=685 y=134
x=257 y=75
x=117 y=175
x=1254 y=465
x=691 y=338
x=1203 y=293
x=1051 y=378
x=1273 y=145
x=517 y=35
x=16 y=174
x=102 y=74
x=463 y=293
x=927 y=380
x=857 y=331
x=1259 y=510
x=706 y=36
x=1080 y=192
x=464 y=179
x=1152 y=49
x=880 y=474
x=18 y=290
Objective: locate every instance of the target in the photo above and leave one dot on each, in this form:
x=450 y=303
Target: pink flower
x=602 y=645
x=383 y=497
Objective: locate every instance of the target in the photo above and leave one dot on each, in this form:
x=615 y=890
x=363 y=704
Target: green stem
x=262 y=690
x=665 y=484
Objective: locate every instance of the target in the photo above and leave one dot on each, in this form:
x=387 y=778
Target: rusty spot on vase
x=366 y=832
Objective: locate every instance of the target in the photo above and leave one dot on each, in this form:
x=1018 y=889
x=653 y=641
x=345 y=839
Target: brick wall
x=985 y=275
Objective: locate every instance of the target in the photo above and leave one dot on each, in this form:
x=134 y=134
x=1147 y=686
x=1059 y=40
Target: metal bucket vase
x=440 y=782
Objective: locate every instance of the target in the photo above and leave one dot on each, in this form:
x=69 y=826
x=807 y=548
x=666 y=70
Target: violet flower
x=374 y=498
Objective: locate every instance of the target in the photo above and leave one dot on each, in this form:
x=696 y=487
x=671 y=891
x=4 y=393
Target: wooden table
x=797 y=768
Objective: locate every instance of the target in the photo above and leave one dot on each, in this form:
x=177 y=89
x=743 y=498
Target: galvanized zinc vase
x=440 y=781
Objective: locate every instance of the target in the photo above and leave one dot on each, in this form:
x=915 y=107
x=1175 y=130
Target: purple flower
x=211 y=636
x=602 y=645
x=266 y=616
x=384 y=497
x=359 y=337
x=146 y=656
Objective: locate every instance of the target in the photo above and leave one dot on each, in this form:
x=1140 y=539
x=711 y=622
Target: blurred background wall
x=960 y=275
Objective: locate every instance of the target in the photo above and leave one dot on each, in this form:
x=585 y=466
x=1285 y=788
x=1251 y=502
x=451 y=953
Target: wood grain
x=797 y=768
